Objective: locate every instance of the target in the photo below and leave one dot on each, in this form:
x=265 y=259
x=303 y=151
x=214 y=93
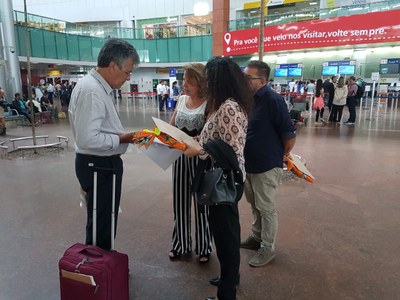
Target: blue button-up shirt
x=269 y=125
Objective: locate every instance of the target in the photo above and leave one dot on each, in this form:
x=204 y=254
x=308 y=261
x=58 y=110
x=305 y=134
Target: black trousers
x=336 y=114
x=351 y=103
x=84 y=174
x=225 y=227
x=161 y=102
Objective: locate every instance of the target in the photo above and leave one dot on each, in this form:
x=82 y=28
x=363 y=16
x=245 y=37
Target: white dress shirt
x=93 y=115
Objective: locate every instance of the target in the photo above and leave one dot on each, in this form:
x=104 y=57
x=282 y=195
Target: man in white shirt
x=291 y=86
x=100 y=138
x=50 y=90
x=160 y=95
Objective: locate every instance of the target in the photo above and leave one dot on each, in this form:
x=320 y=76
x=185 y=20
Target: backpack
x=361 y=88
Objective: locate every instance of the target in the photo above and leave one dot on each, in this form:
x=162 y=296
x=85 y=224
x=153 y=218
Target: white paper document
x=297 y=162
x=161 y=154
x=174 y=132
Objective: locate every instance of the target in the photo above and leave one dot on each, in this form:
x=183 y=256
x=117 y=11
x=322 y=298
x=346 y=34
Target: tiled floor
x=338 y=238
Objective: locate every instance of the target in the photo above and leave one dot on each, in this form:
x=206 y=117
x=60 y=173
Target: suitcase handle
x=91 y=251
x=94 y=225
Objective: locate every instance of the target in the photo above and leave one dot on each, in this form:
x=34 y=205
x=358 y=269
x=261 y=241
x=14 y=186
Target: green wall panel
x=57 y=45
x=173 y=50
x=73 y=47
x=61 y=42
x=184 y=49
x=37 y=46
x=150 y=45
x=196 y=46
x=162 y=50
x=97 y=43
x=85 y=48
x=20 y=40
x=50 y=47
x=207 y=47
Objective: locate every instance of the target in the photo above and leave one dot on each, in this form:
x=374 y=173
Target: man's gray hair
x=118 y=51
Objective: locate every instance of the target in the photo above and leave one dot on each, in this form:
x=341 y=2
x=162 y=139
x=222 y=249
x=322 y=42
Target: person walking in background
x=189 y=116
x=319 y=103
x=175 y=92
x=160 y=95
x=50 y=91
x=99 y=135
x=229 y=103
x=270 y=138
x=351 y=100
x=339 y=101
x=329 y=91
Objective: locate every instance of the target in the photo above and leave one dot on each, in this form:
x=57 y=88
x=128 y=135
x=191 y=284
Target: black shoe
x=215 y=281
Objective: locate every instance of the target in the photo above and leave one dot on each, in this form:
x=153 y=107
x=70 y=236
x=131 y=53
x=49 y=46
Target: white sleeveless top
x=189 y=120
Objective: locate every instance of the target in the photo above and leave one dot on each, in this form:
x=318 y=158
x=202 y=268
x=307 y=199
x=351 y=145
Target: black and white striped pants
x=182 y=175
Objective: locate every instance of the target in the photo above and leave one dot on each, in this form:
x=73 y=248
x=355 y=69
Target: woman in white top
x=339 y=101
x=189 y=116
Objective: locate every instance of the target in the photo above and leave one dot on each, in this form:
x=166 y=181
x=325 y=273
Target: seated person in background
x=36 y=105
x=21 y=107
x=46 y=104
x=3 y=105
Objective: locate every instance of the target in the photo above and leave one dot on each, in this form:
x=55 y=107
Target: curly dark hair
x=225 y=80
x=318 y=88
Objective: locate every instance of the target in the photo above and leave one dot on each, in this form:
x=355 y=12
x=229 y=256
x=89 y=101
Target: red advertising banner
x=377 y=27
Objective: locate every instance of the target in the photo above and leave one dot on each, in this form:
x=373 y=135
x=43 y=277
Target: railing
x=175 y=31
x=147 y=32
x=313 y=14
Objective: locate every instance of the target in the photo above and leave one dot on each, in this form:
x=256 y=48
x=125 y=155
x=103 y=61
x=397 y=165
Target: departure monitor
x=347 y=70
x=281 y=72
x=295 y=72
x=329 y=70
x=389 y=69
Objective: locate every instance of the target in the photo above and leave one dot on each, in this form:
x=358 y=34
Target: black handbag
x=216 y=186
x=218 y=179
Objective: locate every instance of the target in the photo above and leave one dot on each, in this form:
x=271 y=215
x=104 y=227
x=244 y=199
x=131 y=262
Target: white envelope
x=161 y=154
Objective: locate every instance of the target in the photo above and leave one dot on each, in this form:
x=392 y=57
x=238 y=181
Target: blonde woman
x=189 y=116
x=339 y=101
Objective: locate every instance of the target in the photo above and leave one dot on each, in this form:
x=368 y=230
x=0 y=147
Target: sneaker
x=250 y=243
x=316 y=122
x=263 y=257
x=348 y=123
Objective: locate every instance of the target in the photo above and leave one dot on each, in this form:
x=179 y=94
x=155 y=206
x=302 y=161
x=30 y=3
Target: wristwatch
x=202 y=151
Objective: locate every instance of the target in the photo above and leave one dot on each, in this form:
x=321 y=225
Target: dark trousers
x=336 y=114
x=351 y=103
x=225 y=227
x=320 y=113
x=51 y=97
x=161 y=101
x=84 y=174
x=25 y=113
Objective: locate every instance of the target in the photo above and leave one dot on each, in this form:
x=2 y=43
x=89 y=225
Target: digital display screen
x=295 y=72
x=389 y=69
x=347 y=70
x=329 y=70
x=281 y=72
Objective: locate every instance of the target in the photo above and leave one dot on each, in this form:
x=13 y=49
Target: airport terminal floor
x=338 y=238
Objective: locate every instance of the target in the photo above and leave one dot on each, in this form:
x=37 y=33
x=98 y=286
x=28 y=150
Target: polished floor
x=338 y=238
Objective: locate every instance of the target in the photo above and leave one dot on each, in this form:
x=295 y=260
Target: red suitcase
x=89 y=272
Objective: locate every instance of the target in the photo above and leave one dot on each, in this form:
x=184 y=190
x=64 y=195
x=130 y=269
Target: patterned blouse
x=228 y=123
